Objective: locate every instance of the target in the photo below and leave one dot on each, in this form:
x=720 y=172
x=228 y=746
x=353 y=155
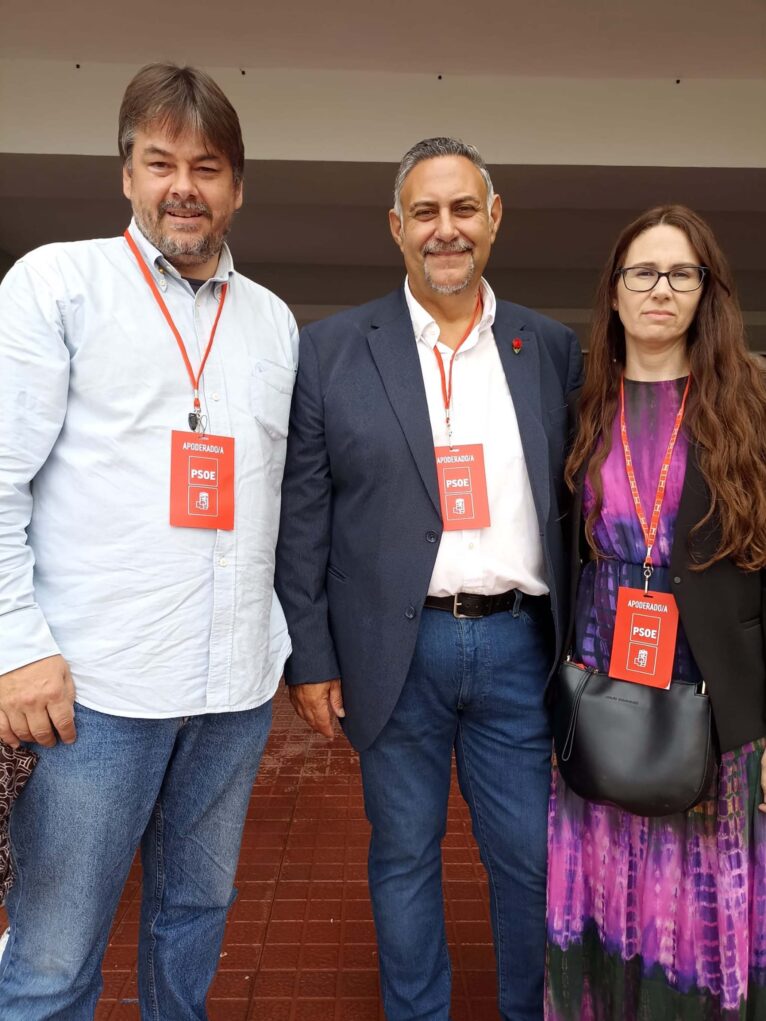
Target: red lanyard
x=447 y=382
x=196 y=415
x=650 y=530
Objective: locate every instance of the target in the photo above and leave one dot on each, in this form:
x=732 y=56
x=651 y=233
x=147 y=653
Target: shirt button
x=216 y=397
x=431 y=536
x=471 y=545
x=409 y=613
x=223 y=562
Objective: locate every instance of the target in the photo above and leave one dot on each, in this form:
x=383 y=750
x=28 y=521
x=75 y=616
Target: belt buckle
x=462 y=616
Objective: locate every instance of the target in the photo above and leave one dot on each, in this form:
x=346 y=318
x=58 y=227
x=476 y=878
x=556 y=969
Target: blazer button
x=676 y=580
x=409 y=613
x=431 y=536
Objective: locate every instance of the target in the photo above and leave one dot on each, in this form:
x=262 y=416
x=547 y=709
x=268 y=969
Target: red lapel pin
x=516 y=345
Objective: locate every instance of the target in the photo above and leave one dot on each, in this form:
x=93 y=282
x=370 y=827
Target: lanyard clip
x=195 y=416
x=648 y=569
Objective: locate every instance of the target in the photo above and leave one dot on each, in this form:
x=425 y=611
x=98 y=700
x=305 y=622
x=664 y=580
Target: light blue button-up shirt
x=154 y=621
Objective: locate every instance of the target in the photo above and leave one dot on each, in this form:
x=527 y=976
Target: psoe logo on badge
x=642 y=658
x=458 y=480
x=645 y=628
x=203 y=502
x=459 y=507
x=203 y=471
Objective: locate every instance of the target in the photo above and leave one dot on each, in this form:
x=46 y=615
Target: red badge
x=644 y=637
x=201 y=481
x=462 y=487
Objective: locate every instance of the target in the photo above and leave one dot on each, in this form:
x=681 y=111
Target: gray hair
x=430 y=148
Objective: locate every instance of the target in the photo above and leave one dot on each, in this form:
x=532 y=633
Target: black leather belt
x=468 y=604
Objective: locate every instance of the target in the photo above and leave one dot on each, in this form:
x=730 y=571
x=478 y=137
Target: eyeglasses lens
x=684 y=278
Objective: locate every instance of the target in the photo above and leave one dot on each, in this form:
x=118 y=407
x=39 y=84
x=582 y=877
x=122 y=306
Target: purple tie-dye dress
x=653 y=919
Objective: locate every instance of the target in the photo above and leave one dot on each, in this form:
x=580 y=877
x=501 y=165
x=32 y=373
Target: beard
x=440 y=248
x=177 y=249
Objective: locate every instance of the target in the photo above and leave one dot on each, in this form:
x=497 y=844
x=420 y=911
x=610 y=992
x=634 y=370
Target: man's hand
x=36 y=701
x=318 y=704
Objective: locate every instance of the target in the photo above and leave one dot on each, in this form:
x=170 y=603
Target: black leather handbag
x=650 y=751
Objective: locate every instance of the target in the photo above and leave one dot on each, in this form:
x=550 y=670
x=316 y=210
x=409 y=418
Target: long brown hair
x=725 y=413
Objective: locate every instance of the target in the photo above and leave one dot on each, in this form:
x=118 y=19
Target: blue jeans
x=179 y=788
x=477 y=686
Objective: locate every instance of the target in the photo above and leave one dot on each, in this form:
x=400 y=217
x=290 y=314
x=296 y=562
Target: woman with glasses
x=665 y=917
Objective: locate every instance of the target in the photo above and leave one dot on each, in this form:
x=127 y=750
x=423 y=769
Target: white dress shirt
x=154 y=621
x=509 y=553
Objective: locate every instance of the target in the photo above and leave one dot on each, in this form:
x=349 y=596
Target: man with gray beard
x=145 y=391
x=422 y=572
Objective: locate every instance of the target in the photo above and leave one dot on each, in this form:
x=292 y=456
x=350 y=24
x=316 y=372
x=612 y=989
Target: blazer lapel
x=394 y=350
x=692 y=507
x=522 y=371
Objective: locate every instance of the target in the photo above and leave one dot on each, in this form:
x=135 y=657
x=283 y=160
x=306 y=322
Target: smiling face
x=183 y=196
x=445 y=230
x=658 y=320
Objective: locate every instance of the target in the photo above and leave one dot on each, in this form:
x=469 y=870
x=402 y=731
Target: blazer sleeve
x=576 y=372
x=304 y=535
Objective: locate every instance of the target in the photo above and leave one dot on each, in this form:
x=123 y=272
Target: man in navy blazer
x=421 y=567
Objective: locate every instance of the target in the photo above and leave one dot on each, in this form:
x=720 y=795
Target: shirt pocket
x=272 y=390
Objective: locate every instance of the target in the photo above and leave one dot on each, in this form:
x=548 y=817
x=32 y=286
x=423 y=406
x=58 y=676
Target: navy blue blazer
x=361 y=524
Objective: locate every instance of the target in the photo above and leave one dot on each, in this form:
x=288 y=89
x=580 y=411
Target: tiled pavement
x=300 y=944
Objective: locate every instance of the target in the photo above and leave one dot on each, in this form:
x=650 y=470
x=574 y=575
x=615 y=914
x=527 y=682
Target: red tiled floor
x=300 y=943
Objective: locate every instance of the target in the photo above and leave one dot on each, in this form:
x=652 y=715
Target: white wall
x=54 y=107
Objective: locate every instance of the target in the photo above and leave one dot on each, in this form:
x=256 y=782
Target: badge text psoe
x=201 y=481
x=462 y=487
x=644 y=646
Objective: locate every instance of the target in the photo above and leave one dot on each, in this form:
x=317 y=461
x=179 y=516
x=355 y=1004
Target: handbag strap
x=578 y=542
x=566 y=751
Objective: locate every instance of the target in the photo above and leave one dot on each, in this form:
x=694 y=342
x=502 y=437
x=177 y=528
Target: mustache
x=447 y=247
x=186 y=207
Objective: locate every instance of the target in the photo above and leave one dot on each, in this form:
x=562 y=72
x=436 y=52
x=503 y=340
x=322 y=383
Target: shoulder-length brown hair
x=725 y=413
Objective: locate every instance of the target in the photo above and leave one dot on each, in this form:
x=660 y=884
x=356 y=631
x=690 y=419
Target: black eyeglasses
x=682 y=278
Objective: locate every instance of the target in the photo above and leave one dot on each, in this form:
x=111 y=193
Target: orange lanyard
x=650 y=530
x=447 y=381
x=195 y=417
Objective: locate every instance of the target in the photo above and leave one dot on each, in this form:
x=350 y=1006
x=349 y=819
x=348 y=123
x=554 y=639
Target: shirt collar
x=157 y=261
x=426 y=328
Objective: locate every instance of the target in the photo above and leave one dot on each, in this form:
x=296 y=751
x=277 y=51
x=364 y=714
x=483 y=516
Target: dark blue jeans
x=477 y=686
x=179 y=788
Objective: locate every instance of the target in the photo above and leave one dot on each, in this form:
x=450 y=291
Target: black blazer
x=723 y=611
x=361 y=524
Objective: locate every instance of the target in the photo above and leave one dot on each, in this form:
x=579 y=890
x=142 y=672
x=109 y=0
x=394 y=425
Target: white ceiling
x=547 y=38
